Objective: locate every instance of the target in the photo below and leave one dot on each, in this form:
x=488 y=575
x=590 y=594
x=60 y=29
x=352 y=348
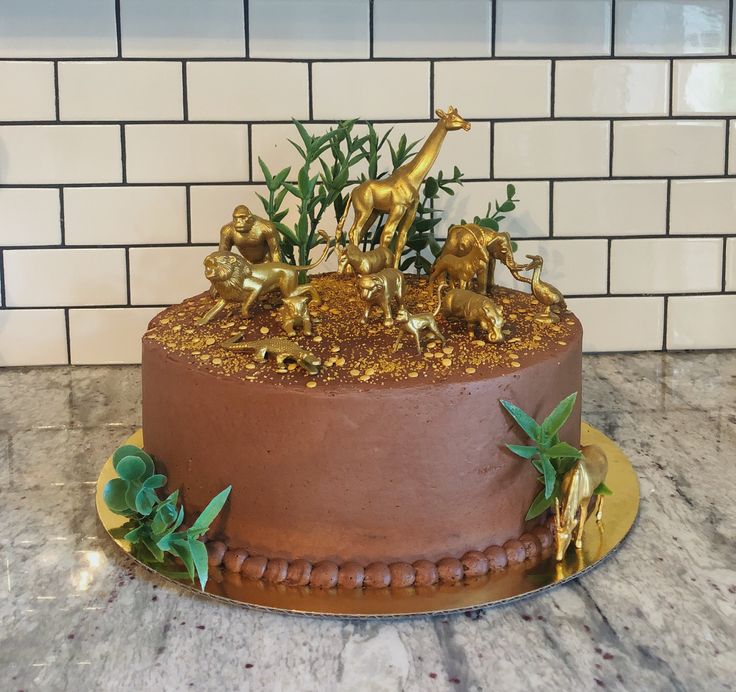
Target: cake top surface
x=353 y=353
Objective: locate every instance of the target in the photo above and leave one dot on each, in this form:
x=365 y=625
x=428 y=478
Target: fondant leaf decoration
x=603 y=489
x=549 y=474
x=199 y=557
x=525 y=421
x=559 y=415
x=131 y=468
x=523 y=450
x=564 y=450
x=209 y=513
x=133 y=535
x=145 y=499
x=540 y=504
x=114 y=495
x=131 y=450
x=158 y=480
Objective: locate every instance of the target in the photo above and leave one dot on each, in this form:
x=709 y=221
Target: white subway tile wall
x=129 y=130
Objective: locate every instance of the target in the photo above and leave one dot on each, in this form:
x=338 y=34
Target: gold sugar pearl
x=335 y=349
x=478 y=342
x=355 y=372
x=209 y=341
x=264 y=330
x=432 y=344
x=364 y=378
x=217 y=361
x=513 y=356
x=446 y=362
x=562 y=343
x=177 y=328
x=470 y=371
x=515 y=364
x=204 y=357
x=243 y=327
x=370 y=372
x=250 y=366
x=413 y=373
x=340 y=361
x=316 y=339
x=427 y=355
x=311 y=384
x=291 y=366
x=448 y=349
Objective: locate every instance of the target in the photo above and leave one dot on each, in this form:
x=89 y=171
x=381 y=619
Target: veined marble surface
x=75 y=613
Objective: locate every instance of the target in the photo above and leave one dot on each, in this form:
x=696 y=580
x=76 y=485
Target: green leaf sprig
x=549 y=455
x=153 y=523
x=491 y=218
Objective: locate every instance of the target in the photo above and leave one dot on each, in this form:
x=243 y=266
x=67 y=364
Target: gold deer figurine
x=398 y=194
x=415 y=324
x=548 y=296
x=577 y=487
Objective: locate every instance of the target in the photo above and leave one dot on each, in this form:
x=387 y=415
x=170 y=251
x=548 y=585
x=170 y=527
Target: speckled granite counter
x=659 y=615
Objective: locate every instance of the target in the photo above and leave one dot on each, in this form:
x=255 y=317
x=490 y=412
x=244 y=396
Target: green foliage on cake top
x=153 y=523
x=548 y=454
x=492 y=218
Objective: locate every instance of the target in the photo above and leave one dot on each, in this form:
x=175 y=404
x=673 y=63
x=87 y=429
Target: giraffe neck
x=418 y=168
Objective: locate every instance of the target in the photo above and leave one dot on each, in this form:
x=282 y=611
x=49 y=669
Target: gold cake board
x=619 y=514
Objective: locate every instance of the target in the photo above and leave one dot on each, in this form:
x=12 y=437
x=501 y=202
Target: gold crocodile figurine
x=278 y=346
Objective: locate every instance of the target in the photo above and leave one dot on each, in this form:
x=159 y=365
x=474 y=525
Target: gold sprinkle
x=335 y=349
x=243 y=327
x=204 y=357
x=340 y=361
x=264 y=330
x=355 y=372
x=370 y=372
x=228 y=325
x=515 y=364
x=479 y=342
x=447 y=362
x=432 y=344
x=311 y=384
x=413 y=373
x=209 y=341
x=364 y=378
x=537 y=338
x=334 y=311
x=316 y=339
x=291 y=366
x=562 y=343
x=177 y=328
x=217 y=361
x=426 y=354
x=513 y=356
x=448 y=349
x=470 y=371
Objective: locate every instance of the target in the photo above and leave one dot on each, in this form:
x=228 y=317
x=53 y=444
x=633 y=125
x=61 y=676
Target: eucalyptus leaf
x=131 y=450
x=145 y=499
x=114 y=494
x=158 y=480
x=131 y=468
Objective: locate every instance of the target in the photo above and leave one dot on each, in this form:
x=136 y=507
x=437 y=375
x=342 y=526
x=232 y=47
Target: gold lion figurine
x=382 y=289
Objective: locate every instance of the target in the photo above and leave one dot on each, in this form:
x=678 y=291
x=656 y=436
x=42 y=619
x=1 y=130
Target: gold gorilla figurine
x=256 y=238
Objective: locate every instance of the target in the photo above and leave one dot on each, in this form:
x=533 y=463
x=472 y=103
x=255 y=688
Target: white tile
x=530 y=218
x=478 y=84
x=212 y=207
x=563 y=27
x=731 y=264
x=370 y=90
x=53 y=29
x=48 y=154
x=125 y=215
x=40 y=278
x=620 y=324
x=575 y=267
x=161 y=276
x=676 y=147
x=611 y=87
x=703 y=206
x=108 y=336
x=182 y=28
x=432 y=28
x=551 y=149
x=704 y=86
x=121 y=90
x=186 y=153
x=239 y=91
x=315 y=29
x=701 y=322
x=32 y=337
x=28 y=91
x=610 y=207
x=271 y=143
x=666 y=265
x=671 y=27
x=29 y=216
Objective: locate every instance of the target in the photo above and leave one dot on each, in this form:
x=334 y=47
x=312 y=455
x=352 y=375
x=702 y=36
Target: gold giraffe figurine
x=576 y=489
x=382 y=289
x=398 y=194
x=281 y=348
x=474 y=308
x=547 y=295
x=360 y=262
x=256 y=238
x=236 y=280
x=415 y=325
x=461 y=239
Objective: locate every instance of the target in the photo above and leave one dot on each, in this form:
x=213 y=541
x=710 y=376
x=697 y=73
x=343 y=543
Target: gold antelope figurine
x=398 y=194
x=368 y=262
x=577 y=487
x=547 y=295
x=415 y=324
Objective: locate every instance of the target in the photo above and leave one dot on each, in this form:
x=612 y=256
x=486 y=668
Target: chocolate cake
x=380 y=469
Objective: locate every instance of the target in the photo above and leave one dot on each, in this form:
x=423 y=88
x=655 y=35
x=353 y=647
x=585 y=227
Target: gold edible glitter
x=311 y=384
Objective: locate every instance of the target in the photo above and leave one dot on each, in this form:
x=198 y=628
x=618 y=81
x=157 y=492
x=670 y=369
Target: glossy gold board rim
x=514 y=583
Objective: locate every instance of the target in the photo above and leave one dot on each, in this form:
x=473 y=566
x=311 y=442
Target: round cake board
x=516 y=582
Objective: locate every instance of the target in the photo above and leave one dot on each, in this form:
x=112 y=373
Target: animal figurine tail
x=343 y=218
x=302 y=267
x=439 y=298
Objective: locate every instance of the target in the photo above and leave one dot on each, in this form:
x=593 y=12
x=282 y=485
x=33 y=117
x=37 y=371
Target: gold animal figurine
x=577 y=487
x=236 y=280
x=295 y=313
x=283 y=349
x=368 y=262
x=398 y=194
x=462 y=239
x=256 y=238
x=474 y=308
x=415 y=325
x=382 y=289
x=548 y=296
x=459 y=271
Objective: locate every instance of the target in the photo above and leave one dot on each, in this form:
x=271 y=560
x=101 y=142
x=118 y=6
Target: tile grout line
x=188 y=207
x=665 y=322
x=119 y=28
x=62 y=225
x=3 y=297
x=608 y=266
x=494 y=18
x=246 y=27
x=724 y=250
x=310 y=104
x=667 y=206
x=726 y=155
x=127 y=277
x=610 y=148
x=184 y=91
x=431 y=88
x=552 y=81
x=551 y=208
x=67 y=329
x=613 y=28
x=371 y=12
x=56 y=91
x=671 y=87
x=123 y=156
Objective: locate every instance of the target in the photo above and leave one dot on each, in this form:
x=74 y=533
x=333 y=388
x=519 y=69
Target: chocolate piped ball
x=377 y=575
x=324 y=575
x=532 y=547
x=425 y=573
x=351 y=576
x=254 y=567
x=402 y=574
x=215 y=553
x=543 y=536
x=450 y=570
x=298 y=573
x=234 y=559
x=276 y=570
x=514 y=552
x=497 y=558
x=475 y=563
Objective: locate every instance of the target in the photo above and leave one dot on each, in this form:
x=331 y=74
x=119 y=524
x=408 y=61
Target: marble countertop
x=660 y=614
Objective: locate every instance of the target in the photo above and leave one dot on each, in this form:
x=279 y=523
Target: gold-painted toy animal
x=236 y=280
x=474 y=308
x=283 y=349
x=382 y=289
x=295 y=313
x=368 y=262
x=576 y=489
x=398 y=194
x=415 y=325
x=547 y=295
x=459 y=271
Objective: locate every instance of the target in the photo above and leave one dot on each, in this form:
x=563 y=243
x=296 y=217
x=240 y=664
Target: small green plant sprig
x=152 y=523
x=491 y=218
x=549 y=455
